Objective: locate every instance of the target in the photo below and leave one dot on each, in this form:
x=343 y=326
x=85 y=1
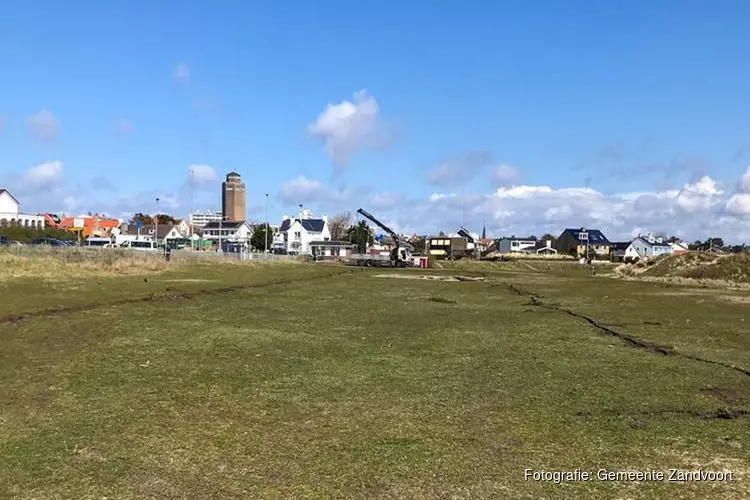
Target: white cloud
x=300 y=190
x=202 y=175
x=504 y=174
x=739 y=204
x=181 y=73
x=44 y=177
x=699 y=196
x=347 y=127
x=697 y=210
x=44 y=126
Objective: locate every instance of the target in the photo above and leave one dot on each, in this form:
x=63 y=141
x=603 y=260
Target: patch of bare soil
x=735 y=299
x=190 y=280
x=430 y=277
x=683 y=293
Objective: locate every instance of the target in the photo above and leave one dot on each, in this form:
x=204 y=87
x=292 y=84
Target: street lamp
x=156 y=231
x=266 y=223
x=221 y=221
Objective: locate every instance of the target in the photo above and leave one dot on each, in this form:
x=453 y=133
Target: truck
x=400 y=255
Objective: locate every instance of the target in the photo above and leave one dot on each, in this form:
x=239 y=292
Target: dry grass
x=528 y=256
x=731 y=270
x=52 y=264
x=65 y=263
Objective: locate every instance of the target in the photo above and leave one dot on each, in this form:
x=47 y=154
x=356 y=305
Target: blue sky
x=567 y=108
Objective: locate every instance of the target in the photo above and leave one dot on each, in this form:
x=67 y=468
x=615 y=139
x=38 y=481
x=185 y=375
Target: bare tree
x=339 y=224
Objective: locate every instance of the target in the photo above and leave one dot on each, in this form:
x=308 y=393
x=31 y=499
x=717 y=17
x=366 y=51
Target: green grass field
x=295 y=381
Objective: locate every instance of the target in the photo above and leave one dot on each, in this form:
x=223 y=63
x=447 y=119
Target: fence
x=107 y=256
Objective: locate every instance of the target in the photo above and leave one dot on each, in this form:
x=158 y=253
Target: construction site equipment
x=400 y=255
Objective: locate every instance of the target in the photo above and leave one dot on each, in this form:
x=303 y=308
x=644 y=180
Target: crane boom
x=382 y=226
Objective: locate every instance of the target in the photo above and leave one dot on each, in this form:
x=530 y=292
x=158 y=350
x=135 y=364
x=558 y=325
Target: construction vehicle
x=400 y=255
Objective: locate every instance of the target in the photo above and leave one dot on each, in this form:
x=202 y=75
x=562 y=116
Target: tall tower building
x=233 y=198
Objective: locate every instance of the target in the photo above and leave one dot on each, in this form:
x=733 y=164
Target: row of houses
x=593 y=244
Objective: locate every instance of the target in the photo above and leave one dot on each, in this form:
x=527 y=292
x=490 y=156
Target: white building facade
x=200 y=219
x=296 y=234
x=228 y=231
x=648 y=246
x=10 y=213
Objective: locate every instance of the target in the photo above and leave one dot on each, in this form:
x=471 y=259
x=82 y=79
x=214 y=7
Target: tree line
x=146 y=219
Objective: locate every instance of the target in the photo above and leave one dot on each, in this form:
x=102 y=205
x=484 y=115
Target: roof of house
x=6 y=191
x=654 y=243
x=620 y=245
x=285 y=225
x=466 y=234
x=224 y=225
x=314 y=225
x=595 y=236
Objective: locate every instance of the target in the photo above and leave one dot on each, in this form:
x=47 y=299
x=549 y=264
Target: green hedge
x=25 y=234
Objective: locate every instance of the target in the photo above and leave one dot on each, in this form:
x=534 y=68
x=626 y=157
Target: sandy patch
x=430 y=277
x=190 y=280
x=736 y=299
x=684 y=293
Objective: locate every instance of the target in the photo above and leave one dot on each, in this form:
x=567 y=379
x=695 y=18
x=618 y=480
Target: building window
x=297 y=235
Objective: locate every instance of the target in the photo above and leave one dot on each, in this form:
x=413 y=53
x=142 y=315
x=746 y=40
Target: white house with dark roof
x=228 y=231
x=10 y=213
x=296 y=234
x=648 y=246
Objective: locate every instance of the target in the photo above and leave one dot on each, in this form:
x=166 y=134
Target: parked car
x=50 y=242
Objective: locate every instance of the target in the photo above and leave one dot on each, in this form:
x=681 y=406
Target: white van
x=141 y=245
x=98 y=242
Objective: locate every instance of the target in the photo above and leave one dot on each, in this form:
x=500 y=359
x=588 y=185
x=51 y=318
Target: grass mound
x=734 y=268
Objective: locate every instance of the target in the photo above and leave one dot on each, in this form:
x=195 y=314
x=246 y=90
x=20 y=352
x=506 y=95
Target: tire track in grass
x=629 y=340
x=159 y=297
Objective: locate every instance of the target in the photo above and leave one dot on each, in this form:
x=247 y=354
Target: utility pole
x=156 y=225
x=266 y=223
x=192 y=243
x=221 y=222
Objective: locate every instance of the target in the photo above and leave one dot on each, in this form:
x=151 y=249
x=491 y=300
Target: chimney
x=285 y=217
x=325 y=218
